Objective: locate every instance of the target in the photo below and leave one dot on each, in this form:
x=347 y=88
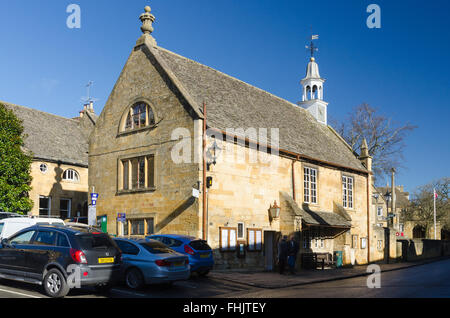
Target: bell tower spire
x=312 y=97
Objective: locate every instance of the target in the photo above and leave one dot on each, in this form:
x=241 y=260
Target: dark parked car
x=78 y=219
x=49 y=255
x=199 y=252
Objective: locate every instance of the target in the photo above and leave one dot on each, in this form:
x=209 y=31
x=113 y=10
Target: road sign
x=121 y=217
x=94 y=198
x=195 y=193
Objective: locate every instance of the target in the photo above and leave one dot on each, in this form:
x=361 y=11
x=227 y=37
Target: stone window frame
x=316 y=168
x=122 y=131
x=141 y=217
x=120 y=173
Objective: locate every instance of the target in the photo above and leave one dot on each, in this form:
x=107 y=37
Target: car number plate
x=204 y=255
x=178 y=264
x=106 y=260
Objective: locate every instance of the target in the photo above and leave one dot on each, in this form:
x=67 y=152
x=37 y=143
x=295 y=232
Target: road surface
x=429 y=280
x=425 y=281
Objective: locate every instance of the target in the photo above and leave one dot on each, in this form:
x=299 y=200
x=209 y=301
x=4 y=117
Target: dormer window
x=139 y=116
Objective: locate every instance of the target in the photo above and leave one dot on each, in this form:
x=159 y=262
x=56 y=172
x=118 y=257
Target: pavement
x=273 y=280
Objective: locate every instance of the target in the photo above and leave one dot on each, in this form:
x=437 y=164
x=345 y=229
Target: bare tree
x=385 y=139
x=421 y=210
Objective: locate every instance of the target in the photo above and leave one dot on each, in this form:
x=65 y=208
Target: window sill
x=312 y=204
x=135 y=131
x=122 y=192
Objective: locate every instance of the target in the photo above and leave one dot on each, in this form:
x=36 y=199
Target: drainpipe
x=368 y=217
x=204 y=218
x=293 y=177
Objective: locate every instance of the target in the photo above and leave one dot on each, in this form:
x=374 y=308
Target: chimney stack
x=393 y=190
x=365 y=158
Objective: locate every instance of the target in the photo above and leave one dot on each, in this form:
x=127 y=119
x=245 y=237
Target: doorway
x=269 y=250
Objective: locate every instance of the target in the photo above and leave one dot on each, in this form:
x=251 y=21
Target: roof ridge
x=229 y=76
x=37 y=110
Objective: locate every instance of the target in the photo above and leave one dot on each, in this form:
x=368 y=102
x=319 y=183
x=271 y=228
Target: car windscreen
x=94 y=241
x=156 y=248
x=1 y=227
x=200 y=245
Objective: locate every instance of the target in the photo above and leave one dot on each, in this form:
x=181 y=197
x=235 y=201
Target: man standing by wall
x=293 y=248
x=282 y=254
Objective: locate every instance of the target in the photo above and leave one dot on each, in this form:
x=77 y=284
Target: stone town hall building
x=321 y=186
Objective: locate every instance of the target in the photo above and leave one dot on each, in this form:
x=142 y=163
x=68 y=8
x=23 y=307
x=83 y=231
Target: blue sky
x=401 y=69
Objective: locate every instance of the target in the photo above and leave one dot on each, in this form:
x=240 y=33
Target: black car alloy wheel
x=55 y=284
x=134 y=278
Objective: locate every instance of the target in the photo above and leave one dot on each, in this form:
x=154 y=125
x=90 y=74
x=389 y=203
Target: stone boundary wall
x=419 y=249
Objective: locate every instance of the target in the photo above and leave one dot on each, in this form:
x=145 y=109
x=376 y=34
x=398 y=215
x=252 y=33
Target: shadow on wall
x=175 y=213
x=78 y=199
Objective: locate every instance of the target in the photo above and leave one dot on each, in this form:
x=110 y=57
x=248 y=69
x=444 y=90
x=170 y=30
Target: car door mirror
x=6 y=243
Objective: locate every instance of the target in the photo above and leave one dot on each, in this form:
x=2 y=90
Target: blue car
x=199 y=252
x=151 y=262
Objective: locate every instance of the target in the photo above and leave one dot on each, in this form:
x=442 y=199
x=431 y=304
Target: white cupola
x=312 y=99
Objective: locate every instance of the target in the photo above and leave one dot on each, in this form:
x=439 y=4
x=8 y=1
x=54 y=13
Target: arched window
x=140 y=115
x=419 y=232
x=71 y=175
x=314 y=92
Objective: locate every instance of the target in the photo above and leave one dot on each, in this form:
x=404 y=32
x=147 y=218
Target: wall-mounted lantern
x=274 y=211
x=211 y=154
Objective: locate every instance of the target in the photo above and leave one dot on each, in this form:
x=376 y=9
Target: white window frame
x=310 y=185
x=348 y=192
x=363 y=243
x=45 y=166
x=379 y=215
x=49 y=205
x=228 y=239
x=380 y=244
x=306 y=240
x=254 y=240
x=71 y=175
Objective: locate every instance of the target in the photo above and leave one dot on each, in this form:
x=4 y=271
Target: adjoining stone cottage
x=59 y=169
x=145 y=160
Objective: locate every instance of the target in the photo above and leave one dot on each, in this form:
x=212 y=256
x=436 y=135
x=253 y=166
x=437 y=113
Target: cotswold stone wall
x=418 y=249
x=51 y=184
x=170 y=203
x=243 y=192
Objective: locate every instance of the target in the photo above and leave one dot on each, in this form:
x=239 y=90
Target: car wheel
x=134 y=278
x=55 y=284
